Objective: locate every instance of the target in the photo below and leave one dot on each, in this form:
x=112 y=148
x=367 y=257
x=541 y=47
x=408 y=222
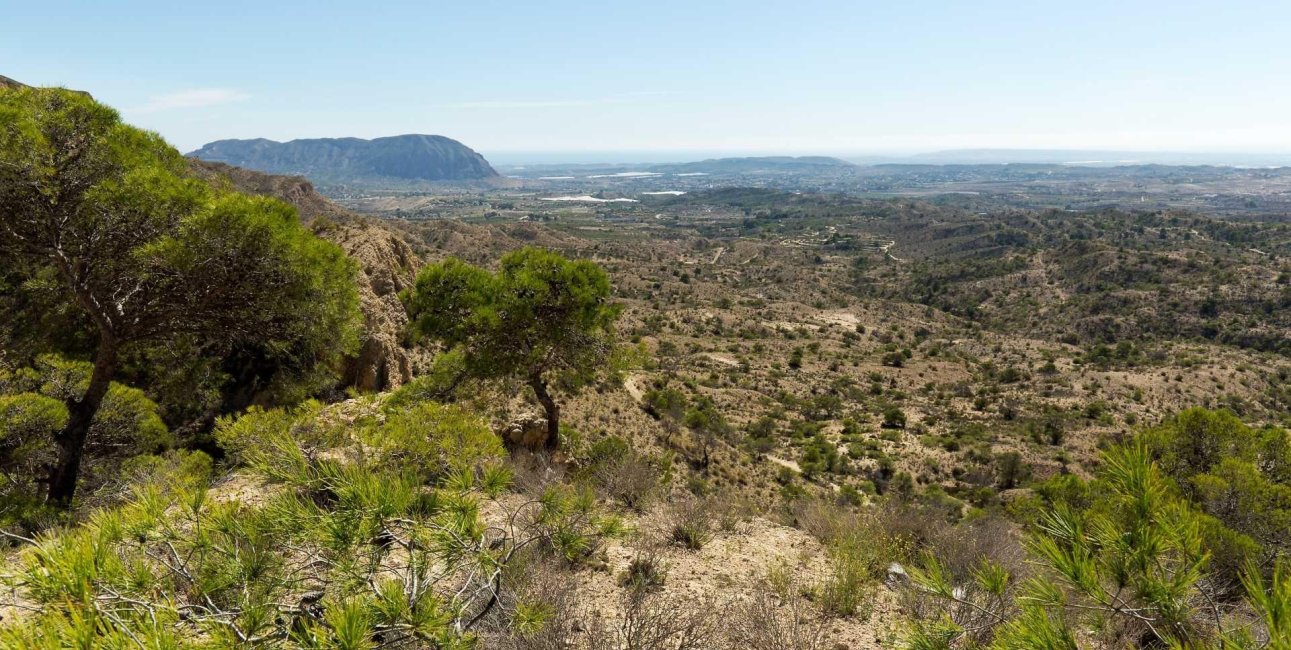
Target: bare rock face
x=387 y=266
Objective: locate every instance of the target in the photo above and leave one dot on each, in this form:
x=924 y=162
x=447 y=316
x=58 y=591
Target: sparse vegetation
x=952 y=423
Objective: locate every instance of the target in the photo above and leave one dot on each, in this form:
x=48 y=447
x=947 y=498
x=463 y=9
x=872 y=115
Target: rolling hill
x=756 y=164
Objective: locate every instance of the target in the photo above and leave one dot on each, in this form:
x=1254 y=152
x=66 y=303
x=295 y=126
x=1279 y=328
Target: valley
x=772 y=403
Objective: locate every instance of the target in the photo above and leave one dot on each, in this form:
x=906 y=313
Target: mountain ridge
x=756 y=164
x=408 y=157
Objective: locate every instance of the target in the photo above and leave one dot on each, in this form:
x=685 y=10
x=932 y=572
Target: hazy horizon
x=506 y=158
x=983 y=155
x=808 y=78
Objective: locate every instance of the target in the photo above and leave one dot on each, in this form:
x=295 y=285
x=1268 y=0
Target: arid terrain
x=756 y=403
x=1042 y=333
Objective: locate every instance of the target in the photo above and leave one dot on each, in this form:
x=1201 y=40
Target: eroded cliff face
x=387 y=266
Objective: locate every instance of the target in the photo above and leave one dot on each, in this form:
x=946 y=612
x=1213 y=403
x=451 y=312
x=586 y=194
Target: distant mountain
x=1094 y=158
x=757 y=164
x=342 y=160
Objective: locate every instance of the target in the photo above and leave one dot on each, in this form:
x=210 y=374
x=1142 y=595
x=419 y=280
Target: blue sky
x=830 y=77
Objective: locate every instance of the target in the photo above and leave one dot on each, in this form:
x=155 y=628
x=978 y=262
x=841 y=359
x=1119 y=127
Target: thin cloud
x=619 y=98
x=523 y=103
x=196 y=98
x=640 y=94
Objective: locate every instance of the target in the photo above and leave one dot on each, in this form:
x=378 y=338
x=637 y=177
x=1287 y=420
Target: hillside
x=386 y=266
x=344 y=160
x=388 y=254
x=726 y=417
x=807 y=317
x=295 y=190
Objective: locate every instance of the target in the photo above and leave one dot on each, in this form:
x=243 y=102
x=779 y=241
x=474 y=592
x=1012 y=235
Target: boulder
x=527 y=430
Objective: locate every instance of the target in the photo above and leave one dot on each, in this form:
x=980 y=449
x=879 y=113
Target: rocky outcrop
x=526 y=430
x=350 y=160
x=387 y=266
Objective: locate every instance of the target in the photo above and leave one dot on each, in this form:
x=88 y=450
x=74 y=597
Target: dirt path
x=843 y=318
x=723 y=359
x=785 y=463
x=887 y=247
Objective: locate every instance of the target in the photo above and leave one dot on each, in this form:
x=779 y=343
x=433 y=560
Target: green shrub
x=850 y=588
x=127 y=422
x=894 y=359
x=440 y=384
x=624 y=474
x=28 y=422
x=1237 y=474
x=1010 y=375
x=432 y=440
x=704 y=418
x=1010 y=470
x=645 y=571
x=1128 y=559
x=181 y=469
x=894 y=418
x=236 y=435
x=358 y=555
x=666 y=402
x=692 y=524
x=819 y=456
x=849 y=495
x=570 y=524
